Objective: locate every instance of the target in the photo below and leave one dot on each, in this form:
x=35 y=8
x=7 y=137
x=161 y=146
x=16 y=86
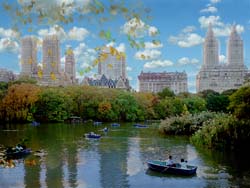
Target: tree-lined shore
x=214 y=120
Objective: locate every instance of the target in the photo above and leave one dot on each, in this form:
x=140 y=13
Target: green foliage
x=223 y=132
x=166 y=93
x=24 y=79
x=194 y=104
x=169 y=107
x=185 y=124
x=53 y=105
x=240 y=103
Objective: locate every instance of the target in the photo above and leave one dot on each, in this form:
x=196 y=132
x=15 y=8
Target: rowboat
x=175 y=168
x=115 y=124
x=92 y=135
x=97 y=123
x=15 y=154
x=137 y=125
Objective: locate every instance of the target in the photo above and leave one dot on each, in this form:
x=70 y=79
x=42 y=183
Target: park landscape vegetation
x=211 y=119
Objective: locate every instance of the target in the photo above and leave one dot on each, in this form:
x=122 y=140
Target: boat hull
x=18 y=154
x=161 y=166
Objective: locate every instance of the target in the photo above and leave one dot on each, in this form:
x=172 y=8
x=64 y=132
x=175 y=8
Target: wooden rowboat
x=176 y=168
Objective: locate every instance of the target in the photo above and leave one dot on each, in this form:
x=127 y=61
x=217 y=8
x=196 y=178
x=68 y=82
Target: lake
x=117 y=160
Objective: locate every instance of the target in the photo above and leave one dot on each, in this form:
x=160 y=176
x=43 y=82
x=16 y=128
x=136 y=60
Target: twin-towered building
x=49 y=72
x=217 y=76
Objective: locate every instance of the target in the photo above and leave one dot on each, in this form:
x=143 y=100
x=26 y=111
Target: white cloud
x=84 y=55
x=209 y=9
x=189 y=29
x=8 y=33
x=137 y=28
x=152 y=31
x=78 y=34
x=8 y=45
x=186 y=40
x=215 y=1
x=129 y=68
x=65 y=7
x=187 y=61
x=121 y=47
x=147 y=54
x=158 y=64
x=219 y=28
x=151 y=45
x=222 y=59
x=56 y=29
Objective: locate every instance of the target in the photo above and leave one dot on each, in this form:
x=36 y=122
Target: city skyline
x=179 y=49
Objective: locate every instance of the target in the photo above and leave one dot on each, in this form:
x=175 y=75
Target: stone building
x=217 y=76
x=6 y=76
x=28 y=56
x=105 y=82
x=49 y=73
x=157 y=81
x=112 y=67
x=111 y=71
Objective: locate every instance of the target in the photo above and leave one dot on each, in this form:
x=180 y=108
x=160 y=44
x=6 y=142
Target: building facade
x=70 y=69
x=221 y=77
x=105 y=82
x=112 y=66
x=28 y=56
x=6 y=75
x=156 y=82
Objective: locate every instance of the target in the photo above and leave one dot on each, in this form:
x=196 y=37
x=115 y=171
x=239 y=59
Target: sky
x=172 y=32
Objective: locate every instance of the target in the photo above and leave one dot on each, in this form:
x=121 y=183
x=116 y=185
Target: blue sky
x=181 y=26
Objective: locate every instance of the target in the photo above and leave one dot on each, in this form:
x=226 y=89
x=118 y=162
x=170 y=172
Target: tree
x=19 y=101
x=166 y=93
x=194 y=104
x=53 y=105
x=240 y=103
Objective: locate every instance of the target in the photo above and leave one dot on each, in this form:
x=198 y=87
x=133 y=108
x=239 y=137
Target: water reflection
x=118 y=159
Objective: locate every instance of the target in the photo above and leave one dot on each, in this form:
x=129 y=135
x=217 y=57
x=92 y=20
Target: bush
x=223 y=132
x=185 y=124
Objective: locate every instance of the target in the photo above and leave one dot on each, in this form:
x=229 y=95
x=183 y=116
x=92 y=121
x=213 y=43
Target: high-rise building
x=28 y=56
x=221 y=76
x=70 y=65
x=113 y=66
x=210 y=50
x=157 y=81
x=51 y=57
x=235 y=49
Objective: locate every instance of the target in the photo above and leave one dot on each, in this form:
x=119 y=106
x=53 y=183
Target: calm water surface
x=117 y=160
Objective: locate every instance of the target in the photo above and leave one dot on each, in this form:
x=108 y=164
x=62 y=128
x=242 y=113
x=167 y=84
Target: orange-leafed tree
x=19 y=101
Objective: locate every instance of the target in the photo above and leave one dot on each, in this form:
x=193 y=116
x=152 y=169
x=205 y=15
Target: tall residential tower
x=221 y=76
x=28 y=56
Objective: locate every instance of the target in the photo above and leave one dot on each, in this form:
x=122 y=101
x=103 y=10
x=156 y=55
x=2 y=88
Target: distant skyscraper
x=28 y=56
x=113 y=67
x=210 y=50
x=235 y=49
x=70 y=65
x=157 y=81
x=224 y=76
x=51 y=57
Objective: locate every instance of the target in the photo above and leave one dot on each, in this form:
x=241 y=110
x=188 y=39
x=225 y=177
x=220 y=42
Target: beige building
x=221 y=77
x=70 y=69
x=28 y=56
x=112 y=67
x=50 y=72
x=6 y=75
x=156 y=82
